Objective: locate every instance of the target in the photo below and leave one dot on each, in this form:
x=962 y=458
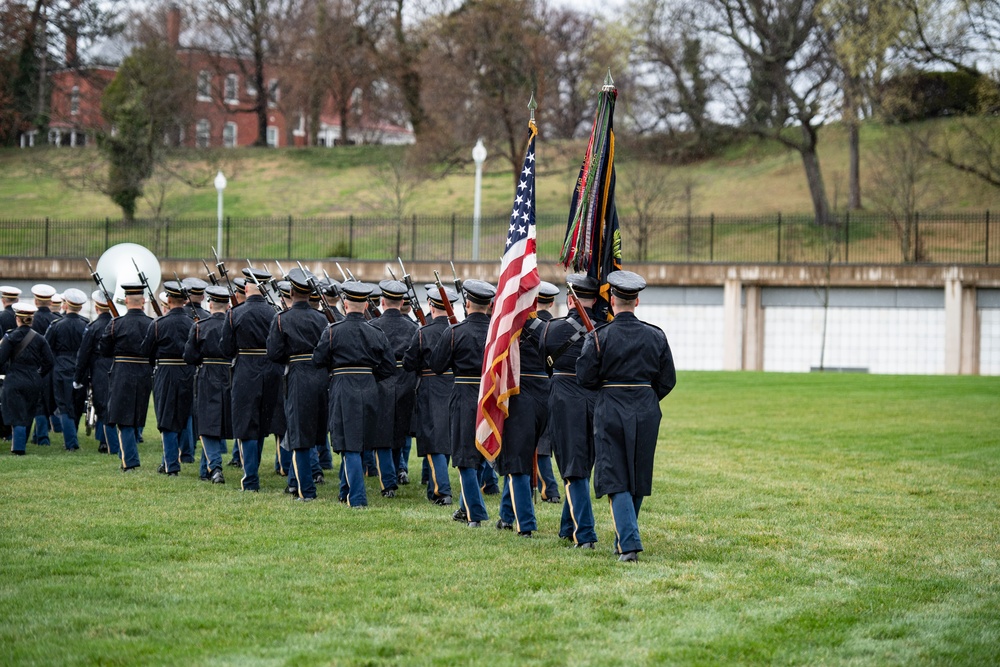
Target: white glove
x=77 y=385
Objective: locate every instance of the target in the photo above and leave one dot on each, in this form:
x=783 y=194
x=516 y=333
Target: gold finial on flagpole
x=609 y=83
x=532 y=105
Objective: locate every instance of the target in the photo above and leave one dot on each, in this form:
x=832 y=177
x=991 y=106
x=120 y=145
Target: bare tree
x=651 y=192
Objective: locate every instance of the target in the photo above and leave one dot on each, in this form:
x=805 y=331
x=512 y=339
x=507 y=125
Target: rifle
x=411 y=294
x=100 y=285
x=187 y=296
x=444 y=299
x=263 y=290
x=145 y=285
x=584 y=317
x=458 y=288
x=221 y=266
x=277 y=290
x=333 y=286
x=324 y=304
x=209 y=274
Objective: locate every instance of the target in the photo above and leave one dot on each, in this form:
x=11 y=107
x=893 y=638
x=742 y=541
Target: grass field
x=795 y=519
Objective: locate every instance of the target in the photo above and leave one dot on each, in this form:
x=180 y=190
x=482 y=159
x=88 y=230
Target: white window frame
x=273 y=136
x=203 y=133
x=273 y=93
x=232 y=89
x=230 y=142
x=74 y=101
x=204 y=86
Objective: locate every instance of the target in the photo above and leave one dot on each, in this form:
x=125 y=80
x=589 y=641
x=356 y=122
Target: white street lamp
x=479 y=156
x=220 y=185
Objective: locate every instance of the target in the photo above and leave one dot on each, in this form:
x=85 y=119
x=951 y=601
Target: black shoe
x=524 y=533
x=403 y=478
x=554 y=500
x=585 y=545
x=292 y=490
x=460 y=515
x=173 y=474
x=503 y=525
x=18 y=453
x=187 y=459
x=303 y=500
x=217 y=477
x=319 y=479
x=343 y=501
x=442 y=500
x=235 y=463
x=389 y=493
x=491 y=491
x=474 y=524
x=629 y=557
x=102 y=449
x=134 y=469
x=203 y=478
x=162 y=470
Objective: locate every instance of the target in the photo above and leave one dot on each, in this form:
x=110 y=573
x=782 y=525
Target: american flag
x=515 y=300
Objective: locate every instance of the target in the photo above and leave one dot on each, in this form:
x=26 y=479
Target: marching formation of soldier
x=324 y=365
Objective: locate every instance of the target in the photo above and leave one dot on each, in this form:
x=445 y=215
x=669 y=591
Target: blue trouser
x=250 y=455
x=301 y=470
x=41 y=436
x=578 y=514
x=403 y=455
x=186 y=439
x=212 y=450
x=112 y=439
x=352 y=480
x=472 y=497
x=547 y=486
x=313 y=468
x=515 y=504
x=19 y=438
x=425 y=472
x=625 y=518
x=171 y=450
x=438 y=482
x=55 y=423
x=386 y=469
x=99 y=432
x=368 y=460
x=487 y=478
x=282 y=459
x=129 y=450
x=325 y=455
x=69 y=431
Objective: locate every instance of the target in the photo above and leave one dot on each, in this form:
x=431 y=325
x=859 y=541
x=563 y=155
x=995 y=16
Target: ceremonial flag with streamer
x=593 y=238
x=515 y=300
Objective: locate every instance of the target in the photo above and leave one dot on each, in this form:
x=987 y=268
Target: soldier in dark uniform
x=526 y=420
x=173 y=379
x=9 y=296
x=41 y=321
x=213 y=405
x=239 y=291
x=131 y=374
x=282 y=455
x=26 y=360
x=358 y=356
x=460 y=349
x=291 y=342
x=196 y=298
x=195 y=288
x=571 y=415
x=396 y=394
x=632 y=369
x=433 y=394
x=64 y=337
x=93 y=369
x=256 y=379
x=548 y=489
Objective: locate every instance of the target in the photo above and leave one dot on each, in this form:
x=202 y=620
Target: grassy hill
x=752 y=177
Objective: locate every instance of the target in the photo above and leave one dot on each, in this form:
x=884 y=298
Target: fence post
x=166 y=237
x=289 y=253
x=413 y=240
x=916 y=236
x=46 y=237
x=399 y=235
x=350 y=236
x=847 y=238
x=779 y=237
x=453 y=235
x=711 y=237
x=987 y=236
x=689 y=236
x=107 y=232
x=228 y=245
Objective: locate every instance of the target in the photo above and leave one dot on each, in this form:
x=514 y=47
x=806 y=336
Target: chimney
x=174 y=26
x=71 y=54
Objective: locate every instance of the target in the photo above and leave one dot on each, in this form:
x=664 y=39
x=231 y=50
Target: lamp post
x=479 y=157
x=220 y=185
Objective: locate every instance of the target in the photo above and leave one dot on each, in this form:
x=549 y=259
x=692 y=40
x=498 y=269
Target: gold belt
x=352 y=370
x=131 y=360
x=254 y=351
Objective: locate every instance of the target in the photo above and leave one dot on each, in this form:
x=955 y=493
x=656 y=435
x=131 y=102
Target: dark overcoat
x=460 y=350
x=8 y=320
x=571 y=407
x=527 y=410
x=173 y=378
x=256 y=379
x=358 y=357
x=64 y=337
x=632 y=372
x=92 y=367
x=430 y=412
x=213 y=402
x=26 y=375
x=291 y=342
x=131 y=377
x=397 y=394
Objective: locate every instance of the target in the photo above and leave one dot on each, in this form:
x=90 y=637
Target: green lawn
x=796 y=519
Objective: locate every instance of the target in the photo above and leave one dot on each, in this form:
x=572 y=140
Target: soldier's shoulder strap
x=28 y=337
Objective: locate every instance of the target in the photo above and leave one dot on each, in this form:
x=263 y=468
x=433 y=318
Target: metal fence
x=939 y=238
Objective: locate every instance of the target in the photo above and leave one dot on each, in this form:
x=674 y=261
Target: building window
x=204 y=86
x=229 y=135
x=251 y=88
x=74 y=101
x=272 y=136
x=202 y=133
x=272 y=93
x=232 y=91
